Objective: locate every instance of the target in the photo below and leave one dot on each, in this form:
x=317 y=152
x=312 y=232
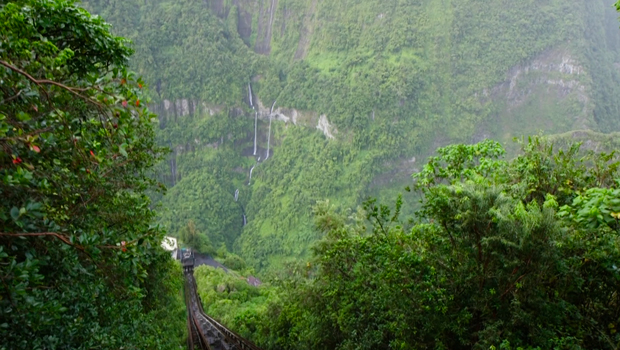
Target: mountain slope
x=389 y=80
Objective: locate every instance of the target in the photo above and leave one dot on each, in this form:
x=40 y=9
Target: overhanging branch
x=40 y=82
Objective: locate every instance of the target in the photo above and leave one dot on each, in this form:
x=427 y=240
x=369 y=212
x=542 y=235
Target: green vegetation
x=502 y=254
x=497 y=253
x=182 y=49
x=80 y=261
x=230 y=299
x=396 y=79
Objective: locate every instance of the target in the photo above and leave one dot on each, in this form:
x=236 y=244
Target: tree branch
x=63 y=238
x=50 y=82
x=67 y=241
x=8 y=99
x=25 y=137
x=512 y=286
x=117 y=165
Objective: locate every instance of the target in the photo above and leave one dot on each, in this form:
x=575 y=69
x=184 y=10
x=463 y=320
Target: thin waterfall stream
x=250 y=95
x=251 y=99
x=269 y=134
x=255 y=129
x=251 y=170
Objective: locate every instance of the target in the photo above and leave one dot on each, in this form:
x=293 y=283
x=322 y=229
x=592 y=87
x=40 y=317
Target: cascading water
x=236 y=195
x=255 y=129
x=269 y=134
x=245 y=219
x=250 y=95
x=255 y=114
x=268 y=138
x=251 y=170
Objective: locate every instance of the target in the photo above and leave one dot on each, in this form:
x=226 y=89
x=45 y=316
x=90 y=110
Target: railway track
x=204 y=332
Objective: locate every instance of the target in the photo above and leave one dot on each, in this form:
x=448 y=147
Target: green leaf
x=15 y=213
x=122 y=150
x=23 y=116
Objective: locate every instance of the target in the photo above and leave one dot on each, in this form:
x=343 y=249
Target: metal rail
x=195 y=340
x=204 y=332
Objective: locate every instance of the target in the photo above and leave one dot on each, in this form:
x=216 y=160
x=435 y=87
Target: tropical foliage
x=80 y=261
x=395 y=79
x=503 y=254
x=229 y=298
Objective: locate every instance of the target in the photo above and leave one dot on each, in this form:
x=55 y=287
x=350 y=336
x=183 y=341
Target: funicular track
x=204 y=332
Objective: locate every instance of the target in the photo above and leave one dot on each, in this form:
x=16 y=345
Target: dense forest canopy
x=519 y=253
x=502 y=254
x=80 y=260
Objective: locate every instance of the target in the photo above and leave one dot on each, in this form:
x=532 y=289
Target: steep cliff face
x=352 y=58
x=467 y=47
x=551 y=93
x=364 y=89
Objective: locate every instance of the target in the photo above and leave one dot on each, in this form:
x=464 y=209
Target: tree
x=502 y=254
x=192 y=238
x=77 y=249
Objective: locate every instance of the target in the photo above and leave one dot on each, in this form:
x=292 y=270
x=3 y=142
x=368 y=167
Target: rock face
x=253 y=281
x=555 y=73
x=554 y=68
x=549 y=93
x=171 y=110
x=314 y=32
x=298 y=118
x=325 y=127
x=267 y=13
x=361 y=42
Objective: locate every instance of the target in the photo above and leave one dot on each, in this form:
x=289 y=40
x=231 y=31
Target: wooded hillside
x=394 y=79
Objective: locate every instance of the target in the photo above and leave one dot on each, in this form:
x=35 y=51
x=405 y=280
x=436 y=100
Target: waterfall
x=245 y=219
x=236 y=195
x=268 y=138
x=269 y=134
x=255 y=128
x=250 y=95
x=250 y=180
